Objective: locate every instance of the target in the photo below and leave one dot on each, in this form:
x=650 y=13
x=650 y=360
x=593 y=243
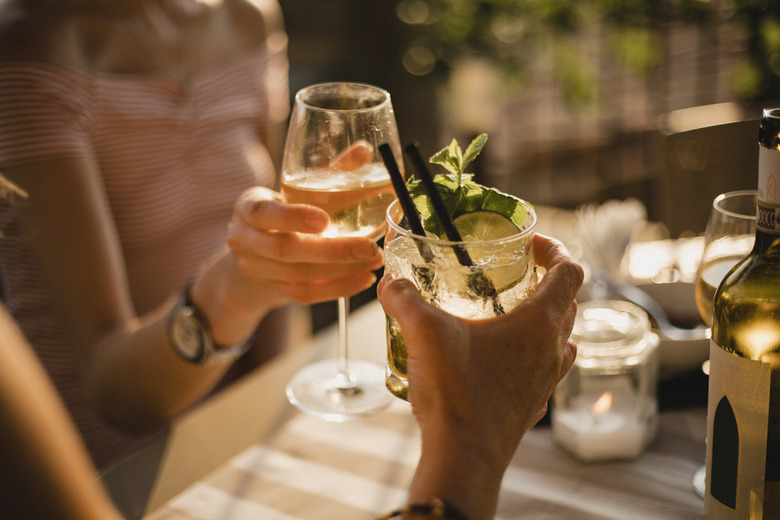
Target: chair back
x=702 y=161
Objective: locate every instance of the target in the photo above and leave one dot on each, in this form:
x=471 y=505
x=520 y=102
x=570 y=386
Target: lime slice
x=504 y=263
x=484 y=225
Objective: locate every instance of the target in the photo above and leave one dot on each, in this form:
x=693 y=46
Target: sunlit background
x=578 y=98
x=569 y=92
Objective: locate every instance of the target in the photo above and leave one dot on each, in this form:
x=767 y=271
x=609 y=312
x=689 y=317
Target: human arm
x=131 y=370
x=477 y=386
x=46 y=470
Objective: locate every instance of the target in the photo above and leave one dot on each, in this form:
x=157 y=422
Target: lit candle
x=606 y=408
x=607 y=425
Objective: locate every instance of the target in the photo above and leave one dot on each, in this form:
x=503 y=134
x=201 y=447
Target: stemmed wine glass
x=332 y=160
x=728 y=238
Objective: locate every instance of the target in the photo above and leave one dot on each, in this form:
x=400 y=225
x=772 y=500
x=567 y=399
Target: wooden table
x=303 y=468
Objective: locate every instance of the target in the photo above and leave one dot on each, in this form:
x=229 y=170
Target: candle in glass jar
x=606 y=407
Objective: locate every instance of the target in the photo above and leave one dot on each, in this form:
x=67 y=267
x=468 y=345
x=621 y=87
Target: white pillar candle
x=604 y=422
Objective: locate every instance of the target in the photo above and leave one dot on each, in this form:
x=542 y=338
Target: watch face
x=186 y=334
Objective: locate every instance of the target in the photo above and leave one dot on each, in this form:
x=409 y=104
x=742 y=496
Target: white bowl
x=678 y=356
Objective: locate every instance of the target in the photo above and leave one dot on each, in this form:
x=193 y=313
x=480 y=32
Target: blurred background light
x=413 y=12
x=419 y=60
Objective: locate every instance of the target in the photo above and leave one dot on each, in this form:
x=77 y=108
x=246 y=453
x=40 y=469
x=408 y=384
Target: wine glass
x=332 y=161
x=728 y=237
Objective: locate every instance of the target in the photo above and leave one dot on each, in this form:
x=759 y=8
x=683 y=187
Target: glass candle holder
x=606 y=407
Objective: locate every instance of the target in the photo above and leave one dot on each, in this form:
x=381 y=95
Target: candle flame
x=602 y=404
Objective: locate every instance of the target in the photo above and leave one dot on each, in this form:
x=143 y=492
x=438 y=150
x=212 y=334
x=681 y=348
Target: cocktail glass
x=503 y=274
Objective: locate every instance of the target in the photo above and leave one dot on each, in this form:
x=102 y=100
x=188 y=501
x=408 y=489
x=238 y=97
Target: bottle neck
x=764 y=240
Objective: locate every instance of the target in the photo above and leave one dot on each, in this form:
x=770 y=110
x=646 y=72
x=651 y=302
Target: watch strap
x=210 y=351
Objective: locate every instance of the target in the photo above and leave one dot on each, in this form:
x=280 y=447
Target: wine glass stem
x=345 y=382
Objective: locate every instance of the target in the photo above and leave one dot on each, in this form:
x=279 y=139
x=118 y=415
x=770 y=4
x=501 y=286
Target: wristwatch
x=190 y=334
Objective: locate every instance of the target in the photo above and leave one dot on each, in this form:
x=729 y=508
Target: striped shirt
x=173 y=157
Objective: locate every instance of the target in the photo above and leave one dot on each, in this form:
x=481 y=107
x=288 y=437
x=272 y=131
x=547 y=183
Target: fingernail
x=364 y=250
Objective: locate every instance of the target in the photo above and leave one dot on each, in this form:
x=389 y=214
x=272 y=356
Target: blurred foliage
x=511 y=32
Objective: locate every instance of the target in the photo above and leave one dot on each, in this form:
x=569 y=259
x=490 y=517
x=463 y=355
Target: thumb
x=422 y=323
x=398 y=295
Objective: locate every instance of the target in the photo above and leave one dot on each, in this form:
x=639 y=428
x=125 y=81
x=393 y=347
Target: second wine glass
x=728 y=237
x=332 y=161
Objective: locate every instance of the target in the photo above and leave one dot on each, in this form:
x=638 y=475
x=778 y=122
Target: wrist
x=232 y=315
x=190 y=334
x=465 y=432
x=461 y=471
x=230 y=323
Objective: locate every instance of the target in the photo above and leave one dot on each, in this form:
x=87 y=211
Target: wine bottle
x=743 y=420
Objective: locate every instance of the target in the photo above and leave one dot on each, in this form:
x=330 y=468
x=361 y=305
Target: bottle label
x=738 y=420
x=768 y=199
x=766 y=218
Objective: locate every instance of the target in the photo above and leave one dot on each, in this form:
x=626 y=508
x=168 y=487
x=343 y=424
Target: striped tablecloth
x=315 y=470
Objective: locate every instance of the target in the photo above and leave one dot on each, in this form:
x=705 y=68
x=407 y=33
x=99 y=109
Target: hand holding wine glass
x=332 y=161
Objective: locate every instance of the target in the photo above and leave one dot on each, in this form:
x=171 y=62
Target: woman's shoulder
x=268 y=10
x=255 y=21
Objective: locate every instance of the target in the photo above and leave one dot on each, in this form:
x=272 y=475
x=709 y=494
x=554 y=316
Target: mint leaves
x=459 y=192
x=454 y=160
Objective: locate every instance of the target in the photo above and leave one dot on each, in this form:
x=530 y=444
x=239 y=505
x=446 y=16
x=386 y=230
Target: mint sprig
x=454 y=160
x=459 y=191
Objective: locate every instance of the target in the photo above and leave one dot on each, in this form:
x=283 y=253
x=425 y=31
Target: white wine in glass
x=353 y=200
x=728 y=237
x=332 y=161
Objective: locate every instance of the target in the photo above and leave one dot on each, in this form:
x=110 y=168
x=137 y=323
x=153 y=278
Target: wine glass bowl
x=332 y=158
x=332 y=161
x=728 y=237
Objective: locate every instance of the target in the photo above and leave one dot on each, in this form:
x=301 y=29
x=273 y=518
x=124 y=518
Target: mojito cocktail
x=501 y=276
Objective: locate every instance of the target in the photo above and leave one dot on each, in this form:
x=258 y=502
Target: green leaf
x=453 y=159
x=473 y=150
x=450 y=157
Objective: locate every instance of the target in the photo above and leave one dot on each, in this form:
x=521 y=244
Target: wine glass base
x=698 y=480
x=318 y=389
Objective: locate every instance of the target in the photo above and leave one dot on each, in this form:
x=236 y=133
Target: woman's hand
x=476 y=386
x=278 y=245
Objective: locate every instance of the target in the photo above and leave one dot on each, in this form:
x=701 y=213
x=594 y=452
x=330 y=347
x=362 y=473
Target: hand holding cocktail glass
x=511 y=362
x=482 y=277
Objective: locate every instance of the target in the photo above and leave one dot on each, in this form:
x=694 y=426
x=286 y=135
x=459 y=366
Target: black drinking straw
x=477 y=282
x=438 y=204
x=407 y=204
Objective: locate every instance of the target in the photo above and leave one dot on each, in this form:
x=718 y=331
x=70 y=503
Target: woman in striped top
x=136 y=146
